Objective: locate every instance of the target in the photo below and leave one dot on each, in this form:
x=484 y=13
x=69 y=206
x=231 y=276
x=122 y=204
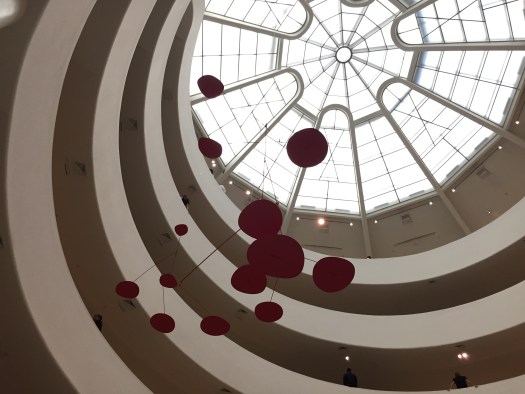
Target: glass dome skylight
x=406 y=93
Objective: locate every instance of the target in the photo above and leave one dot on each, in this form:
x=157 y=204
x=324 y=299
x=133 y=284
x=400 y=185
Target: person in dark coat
x=185 y=201
x=98 y=321
x=460 y=381
x=349 y=378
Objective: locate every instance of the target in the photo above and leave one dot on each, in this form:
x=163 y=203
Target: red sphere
x=162 y=322
x=127 y=289
x=307 y=148
x=210 y=86
x=279 y=256
x=268 y=311
x=333 y=274
x=260 y=218
x=215 y=325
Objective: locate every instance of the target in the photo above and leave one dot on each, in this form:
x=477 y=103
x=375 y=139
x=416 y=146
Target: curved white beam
x=225 y=20
x=435 y=184
x=461 y=46
x=459 y=109
x=239 y=157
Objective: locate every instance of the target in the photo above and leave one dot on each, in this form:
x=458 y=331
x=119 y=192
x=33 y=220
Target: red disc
x=181 y=229
x=248 y=279
x=333 y=274
x=268 y=311
x=168 y=280
x=307 y=148
x=127 y=289
x=215 y=325
x=261 y=217
x=162 y=322
x=277 y=255
x=210 y=148
x=210 y=86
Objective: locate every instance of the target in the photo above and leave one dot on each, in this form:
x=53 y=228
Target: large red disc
x=261 y=217
x=215 y=325
x=268 y=311
x=181 y=229
x=333 y=274
x=162 y=322
x=307 y=148
x=168 y=280
x=279 y=256
x=210 y=86
x=127 y=289
x=248 y=279
x=210 y=148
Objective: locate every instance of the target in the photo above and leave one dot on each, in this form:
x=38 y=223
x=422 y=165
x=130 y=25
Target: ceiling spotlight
x=465 y=355
x=517 y=122
x=213 y=165
x=430 y=203
x=213 y=162
x=231 y=183
x=321 y=221
x=351 y=223
x=500 y=147
x=453 y=190
x=347 y=358
x=375 y=221
x=248 y=192
x=460 y=356
x=297 y=218
x=488 y=211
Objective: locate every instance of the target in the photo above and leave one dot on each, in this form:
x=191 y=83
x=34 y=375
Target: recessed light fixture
x=465 y=355
x=248 y=192
x=351 y=223
x=453 y=190
x=213 y=162
x=321 y=221
x=213 y=165
x=347 y=358
x=460 y=356
x=517 y=122
x=430 y=203
x=488 y=211
x=231 y=183
x=297 y=218
x=375 y=221
x=500 y=147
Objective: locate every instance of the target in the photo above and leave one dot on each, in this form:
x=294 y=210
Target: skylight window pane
x=496 y=67
x=381 y=201
x=372 y=169
x=275 y=15
x=515 y=9
x=407 y=176
x=467 y=21
x=497 y=24
x=443 y=138
x=270 y=159
x=398 y=159
x=311 y=203
x=337 y=169
x=377 y=186
x=414 y=190
x=241 y=114
x=231 y=54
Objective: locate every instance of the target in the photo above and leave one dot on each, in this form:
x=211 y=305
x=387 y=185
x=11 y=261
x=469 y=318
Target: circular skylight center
x=343 y=55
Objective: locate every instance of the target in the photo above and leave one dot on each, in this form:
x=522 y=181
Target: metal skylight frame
x=382 y=111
